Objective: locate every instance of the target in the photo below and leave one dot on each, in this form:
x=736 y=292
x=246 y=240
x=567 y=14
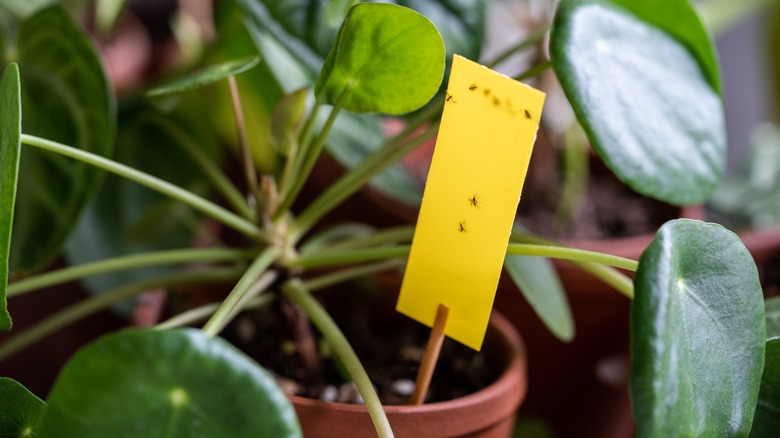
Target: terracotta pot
x=489 y=412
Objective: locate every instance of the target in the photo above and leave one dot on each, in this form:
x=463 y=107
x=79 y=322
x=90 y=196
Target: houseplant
x=689 y=261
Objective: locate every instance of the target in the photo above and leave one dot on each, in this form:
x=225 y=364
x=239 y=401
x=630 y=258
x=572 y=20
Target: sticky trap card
x=480 y=160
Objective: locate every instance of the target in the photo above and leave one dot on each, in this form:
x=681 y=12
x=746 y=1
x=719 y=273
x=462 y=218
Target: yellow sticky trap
x=479 y=164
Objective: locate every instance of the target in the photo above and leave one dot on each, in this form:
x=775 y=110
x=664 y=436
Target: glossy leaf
x=166 y=383
x=20 y=410
x=287 y=120
x=293 y=39
x=10 y=144
x=650 y=107
x=537 y=280
x=767 y=419
x=772 y=309
x=205 y=76
x=386 y=59
x=697 y=333
x=66 y=98
x=680 y=19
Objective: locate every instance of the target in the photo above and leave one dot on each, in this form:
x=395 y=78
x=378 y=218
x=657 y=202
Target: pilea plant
x=641 y=76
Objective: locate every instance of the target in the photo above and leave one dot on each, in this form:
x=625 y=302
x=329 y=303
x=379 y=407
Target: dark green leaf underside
x=66 y=98
x=10 y=144
x=20 y=410
x=177 y=383
x=697 y=333
x=644 y=99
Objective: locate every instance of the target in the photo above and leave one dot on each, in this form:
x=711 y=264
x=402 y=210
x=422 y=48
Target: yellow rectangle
x=487 y=132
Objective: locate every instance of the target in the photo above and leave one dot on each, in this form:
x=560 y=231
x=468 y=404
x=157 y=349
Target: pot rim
x=488 y=405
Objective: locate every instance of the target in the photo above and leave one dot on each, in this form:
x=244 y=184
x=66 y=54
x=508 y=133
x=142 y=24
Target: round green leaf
x=20 y=410
x=386 y=58
x=177 y=383
x=66 y=98
x=697 y=333
x=10 y=144
x=767 y=420
x=206 y=76
x=645 y=100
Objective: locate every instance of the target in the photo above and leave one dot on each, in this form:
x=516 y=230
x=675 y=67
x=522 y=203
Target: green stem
x=400 y=234
x=258 y=287
x=203 y=205
x=355 y=179
x=102 y=301
x=246 y=155
x=533 y=71
x=346 y=257
x=223 y=185
x=134 y=261
x=609 y=275
x=312 y=154
x=203 y=312
x=349 y=274
x=532 y=40
x=564 y=253
x=252 y=274
x=294 y=161
x=295 y=290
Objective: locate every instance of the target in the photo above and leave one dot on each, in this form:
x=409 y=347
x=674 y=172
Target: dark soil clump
x=389 y=345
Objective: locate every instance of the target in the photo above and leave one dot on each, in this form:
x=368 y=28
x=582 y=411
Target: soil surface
x=389 y=345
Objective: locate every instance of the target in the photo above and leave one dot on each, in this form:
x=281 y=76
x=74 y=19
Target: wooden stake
x=431 y=356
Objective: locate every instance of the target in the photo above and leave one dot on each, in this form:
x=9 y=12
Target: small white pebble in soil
x=329 y=394
x=403 y=387
x=245 y=329
x=348 y=393
x=289 y=386
x=411 y=353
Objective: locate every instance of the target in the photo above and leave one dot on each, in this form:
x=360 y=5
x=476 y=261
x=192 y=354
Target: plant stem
x=209 y=168
x=343 y=257
x=312 y=153
x=294 y=162
x=203 y=312
x=295 y=290
x=246 y=155
x=609 y=275
x=254 y=290
x=398 y=234
x=532 y=40
x=102 y=301
x=533 y=71
x=346 y=257
x=134 y=261
x=201 y=204
x=252 y=274
x=349 y=274
x=355 y=179
x=564 y=253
